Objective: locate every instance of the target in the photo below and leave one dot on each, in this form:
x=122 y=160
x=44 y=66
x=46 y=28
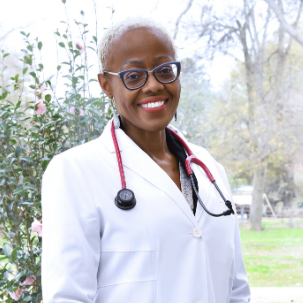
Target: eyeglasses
x=136 y=77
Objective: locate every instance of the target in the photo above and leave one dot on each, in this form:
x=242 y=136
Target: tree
x=246 y=34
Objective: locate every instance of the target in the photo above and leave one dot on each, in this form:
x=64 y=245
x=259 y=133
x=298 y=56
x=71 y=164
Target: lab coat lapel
x=135 y=159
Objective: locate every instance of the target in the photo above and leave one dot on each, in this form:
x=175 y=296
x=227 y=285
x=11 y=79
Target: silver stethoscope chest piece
x=125 y=198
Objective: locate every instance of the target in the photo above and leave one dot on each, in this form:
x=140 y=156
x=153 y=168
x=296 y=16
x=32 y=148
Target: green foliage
x=31 y=134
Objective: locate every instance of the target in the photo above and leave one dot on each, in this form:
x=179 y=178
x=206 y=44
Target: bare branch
x=289 y=28
x=190 y=2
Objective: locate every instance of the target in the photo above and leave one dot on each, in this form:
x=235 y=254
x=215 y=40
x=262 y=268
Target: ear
x=105 y=85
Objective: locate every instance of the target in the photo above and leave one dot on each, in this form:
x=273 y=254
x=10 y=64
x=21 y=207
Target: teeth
x=153 y=104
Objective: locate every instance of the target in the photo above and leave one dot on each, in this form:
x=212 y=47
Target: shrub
x=32 y=130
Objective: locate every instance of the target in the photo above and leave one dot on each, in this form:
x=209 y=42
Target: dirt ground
x=276 y=295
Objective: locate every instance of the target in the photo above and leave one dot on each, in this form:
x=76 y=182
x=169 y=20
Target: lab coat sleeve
x=240 y=290
x=71 y=234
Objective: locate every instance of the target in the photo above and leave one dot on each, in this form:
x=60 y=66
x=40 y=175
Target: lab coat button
x=197 y=232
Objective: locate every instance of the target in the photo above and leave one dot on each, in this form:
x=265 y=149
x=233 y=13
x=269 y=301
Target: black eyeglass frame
x=122 y=73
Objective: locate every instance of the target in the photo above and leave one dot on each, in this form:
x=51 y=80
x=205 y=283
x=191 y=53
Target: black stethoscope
x=125 y=198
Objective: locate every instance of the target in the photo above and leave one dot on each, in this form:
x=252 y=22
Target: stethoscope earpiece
x=125 y=199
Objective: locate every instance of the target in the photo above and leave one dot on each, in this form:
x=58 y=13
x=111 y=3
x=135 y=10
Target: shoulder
x=83 y=157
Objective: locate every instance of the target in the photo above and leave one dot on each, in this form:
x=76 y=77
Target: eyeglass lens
x=164 y=74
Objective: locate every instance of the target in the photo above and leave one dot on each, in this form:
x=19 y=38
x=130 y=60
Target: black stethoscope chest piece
x=125 y=199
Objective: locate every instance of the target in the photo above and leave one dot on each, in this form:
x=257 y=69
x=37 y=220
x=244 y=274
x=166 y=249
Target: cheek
x=125 y=99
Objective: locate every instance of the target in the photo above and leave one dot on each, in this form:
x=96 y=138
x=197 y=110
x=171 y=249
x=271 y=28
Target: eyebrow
x=141 y=62
x=132 y=61
x=161 y=57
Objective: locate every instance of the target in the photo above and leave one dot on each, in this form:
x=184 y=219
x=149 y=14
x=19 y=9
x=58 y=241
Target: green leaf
x=28 y=298
x=44 y=164
x=5 y=55
x=18 y=151
x=48 y=97
x=18 y=105
x=39 y=45
x=58 y=67
x=64 y=1
x=61 y=44
x=23 y=33
x=14 y=254
x=95 y=38
x=32 y=86
x=7 y=250
x=91 y=48
x=33 y=74
x=30 y=48
x=91 y=101
x=25 y=70
x=18 y=191
x=10 y=234
x=57 y=33
x=27 y=158
x=41 y=66
x=31 y=186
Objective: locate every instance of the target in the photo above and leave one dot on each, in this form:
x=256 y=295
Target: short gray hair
x=124 y=26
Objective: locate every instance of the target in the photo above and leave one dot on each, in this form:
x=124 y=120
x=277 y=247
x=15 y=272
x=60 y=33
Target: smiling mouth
x=156 y=104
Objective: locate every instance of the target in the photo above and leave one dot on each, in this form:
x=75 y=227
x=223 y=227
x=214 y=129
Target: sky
x=42 y=17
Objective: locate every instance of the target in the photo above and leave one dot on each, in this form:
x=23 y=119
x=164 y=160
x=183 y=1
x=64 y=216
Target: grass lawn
x=273 y=257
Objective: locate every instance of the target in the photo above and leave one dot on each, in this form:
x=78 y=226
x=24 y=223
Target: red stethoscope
x=125 y=198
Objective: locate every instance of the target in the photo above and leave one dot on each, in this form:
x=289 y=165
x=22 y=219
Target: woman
x=165 y=248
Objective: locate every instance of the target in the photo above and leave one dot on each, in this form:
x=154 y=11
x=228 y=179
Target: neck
x=151 y=142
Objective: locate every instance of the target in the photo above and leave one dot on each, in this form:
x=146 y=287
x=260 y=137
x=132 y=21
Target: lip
x=151 y=100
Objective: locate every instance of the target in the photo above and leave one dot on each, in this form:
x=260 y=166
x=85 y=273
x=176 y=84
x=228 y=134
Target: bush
x=32 y=132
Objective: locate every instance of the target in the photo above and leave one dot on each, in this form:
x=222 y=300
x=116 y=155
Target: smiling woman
x=158 y=245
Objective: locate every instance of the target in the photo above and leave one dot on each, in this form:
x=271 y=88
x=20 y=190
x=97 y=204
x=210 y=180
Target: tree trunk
x=257 y=197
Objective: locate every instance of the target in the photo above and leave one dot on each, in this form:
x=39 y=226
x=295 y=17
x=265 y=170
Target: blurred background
x=242 y=99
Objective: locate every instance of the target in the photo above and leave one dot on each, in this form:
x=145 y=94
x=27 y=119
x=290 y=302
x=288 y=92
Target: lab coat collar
x=135 y=159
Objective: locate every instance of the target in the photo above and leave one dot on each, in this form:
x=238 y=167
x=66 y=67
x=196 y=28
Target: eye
x=165 y=70
x=132 y=76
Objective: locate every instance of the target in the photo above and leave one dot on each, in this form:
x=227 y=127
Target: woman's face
x=141 y=48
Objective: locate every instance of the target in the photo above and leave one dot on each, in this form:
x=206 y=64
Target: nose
x=152 y=84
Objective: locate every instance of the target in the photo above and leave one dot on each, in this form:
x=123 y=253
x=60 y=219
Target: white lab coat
x=96 y=252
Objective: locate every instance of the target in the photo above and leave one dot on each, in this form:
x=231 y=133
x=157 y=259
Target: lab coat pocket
x=127 y=274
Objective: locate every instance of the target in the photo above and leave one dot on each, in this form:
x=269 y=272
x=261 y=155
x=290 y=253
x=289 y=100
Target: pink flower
x=40 y=92
x=37 y=226
x=79 y=46
x=15 y=295
x=42 y=87
x=73 y=112
x=28 y=281
x=21 y=213
x=40 y=109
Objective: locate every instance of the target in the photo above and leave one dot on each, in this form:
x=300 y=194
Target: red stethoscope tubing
x=191 y=158
x=118 y=154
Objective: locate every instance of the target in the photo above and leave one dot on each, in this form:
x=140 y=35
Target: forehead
x=139 y=44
